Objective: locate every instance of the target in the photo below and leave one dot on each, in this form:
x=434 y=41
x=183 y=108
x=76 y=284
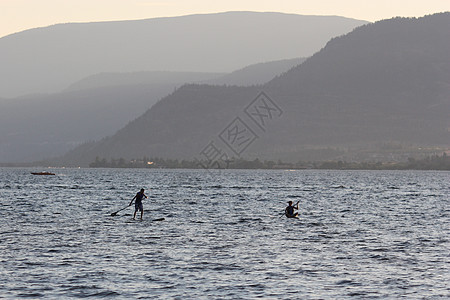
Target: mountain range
x=384 y=85
x=37 y=127
x=47 y=60
x=84 y=88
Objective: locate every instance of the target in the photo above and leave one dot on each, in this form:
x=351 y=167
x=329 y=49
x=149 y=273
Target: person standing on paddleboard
x=138 y=203
x=289 y=211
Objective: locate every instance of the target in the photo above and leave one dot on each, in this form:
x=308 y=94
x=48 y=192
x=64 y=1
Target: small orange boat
x=42 y=173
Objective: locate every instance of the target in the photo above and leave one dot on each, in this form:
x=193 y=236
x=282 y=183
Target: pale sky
x=18 y=15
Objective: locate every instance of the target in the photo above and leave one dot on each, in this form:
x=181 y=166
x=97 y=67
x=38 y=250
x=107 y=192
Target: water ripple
x=363 y=234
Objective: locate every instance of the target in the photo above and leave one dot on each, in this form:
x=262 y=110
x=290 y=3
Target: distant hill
x=47 y=60
x=37 y=127
x=256 y=74
x=42 y=126
x=384 y=84
x=102 y=80
x=259 y=73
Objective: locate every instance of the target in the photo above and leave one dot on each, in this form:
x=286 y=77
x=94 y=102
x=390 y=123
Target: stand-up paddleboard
x=292 y=217
x=129 y=221
x=154 y=220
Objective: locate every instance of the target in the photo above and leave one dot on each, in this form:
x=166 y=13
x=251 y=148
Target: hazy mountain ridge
x=140 y=78
x=49 y=59
x=257 y=74
x=403 y=35
x=386 y=82
x=397 y=74
x=38 y=127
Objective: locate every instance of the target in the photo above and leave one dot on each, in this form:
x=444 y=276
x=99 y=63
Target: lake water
x=363 y=234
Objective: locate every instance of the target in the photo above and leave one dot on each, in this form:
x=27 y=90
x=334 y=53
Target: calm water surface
x=363 y=234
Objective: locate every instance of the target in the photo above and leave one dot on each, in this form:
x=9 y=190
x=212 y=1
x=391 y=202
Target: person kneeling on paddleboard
x=289 y=211
x=138 y=203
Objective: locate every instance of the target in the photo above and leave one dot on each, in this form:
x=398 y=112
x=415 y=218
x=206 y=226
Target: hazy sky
x=18 y=15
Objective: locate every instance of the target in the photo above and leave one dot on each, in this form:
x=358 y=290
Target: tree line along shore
x=434 y=162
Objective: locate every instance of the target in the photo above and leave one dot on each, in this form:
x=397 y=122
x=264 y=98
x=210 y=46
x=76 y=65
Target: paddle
x=115 y=213
x=296 y=206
